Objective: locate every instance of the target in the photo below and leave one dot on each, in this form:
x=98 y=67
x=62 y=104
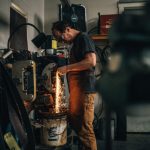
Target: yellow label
x=54 y=44
x=11 y=142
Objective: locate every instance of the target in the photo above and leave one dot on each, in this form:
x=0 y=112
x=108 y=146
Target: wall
x=92 y=9
x=4 y=31
x=34 y=9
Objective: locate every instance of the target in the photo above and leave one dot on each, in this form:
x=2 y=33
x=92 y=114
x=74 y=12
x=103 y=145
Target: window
x=19 y=40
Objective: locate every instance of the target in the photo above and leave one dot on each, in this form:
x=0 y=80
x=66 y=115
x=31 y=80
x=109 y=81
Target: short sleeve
x=87 y=45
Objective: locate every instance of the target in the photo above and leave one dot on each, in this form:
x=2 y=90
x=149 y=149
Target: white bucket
x=54 y=131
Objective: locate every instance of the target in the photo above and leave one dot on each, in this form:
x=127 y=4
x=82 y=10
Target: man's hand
x=28 y=106
x=62 y=70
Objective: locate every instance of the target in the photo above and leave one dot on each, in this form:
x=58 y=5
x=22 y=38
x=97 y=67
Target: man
x=80 y=73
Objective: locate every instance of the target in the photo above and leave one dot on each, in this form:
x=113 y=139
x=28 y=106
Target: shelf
x=98 y=37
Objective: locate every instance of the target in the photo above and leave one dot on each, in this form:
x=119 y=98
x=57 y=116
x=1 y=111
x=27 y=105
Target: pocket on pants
x=89 y=101
x=89 y=108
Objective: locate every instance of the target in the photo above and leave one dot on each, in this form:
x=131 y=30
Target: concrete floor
x=134 y=142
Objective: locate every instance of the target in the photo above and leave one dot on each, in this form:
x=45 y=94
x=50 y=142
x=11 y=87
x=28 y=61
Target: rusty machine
x=43 y=93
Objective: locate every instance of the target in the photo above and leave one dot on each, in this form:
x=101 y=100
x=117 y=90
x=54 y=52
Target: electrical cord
x=16 y=29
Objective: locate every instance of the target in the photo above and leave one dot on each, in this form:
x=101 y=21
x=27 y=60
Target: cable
x=16 y=29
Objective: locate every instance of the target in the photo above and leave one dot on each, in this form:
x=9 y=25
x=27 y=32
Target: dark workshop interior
x=74 y=75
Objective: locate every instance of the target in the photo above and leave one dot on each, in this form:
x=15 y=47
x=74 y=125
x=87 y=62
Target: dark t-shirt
x=85 y=79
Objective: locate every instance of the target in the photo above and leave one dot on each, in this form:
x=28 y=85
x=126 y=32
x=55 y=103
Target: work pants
x=81 y=116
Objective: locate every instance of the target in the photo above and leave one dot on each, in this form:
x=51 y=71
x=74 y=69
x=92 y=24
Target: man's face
x=67 y=35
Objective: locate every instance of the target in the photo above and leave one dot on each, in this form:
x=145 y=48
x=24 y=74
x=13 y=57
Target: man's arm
x=88 y=62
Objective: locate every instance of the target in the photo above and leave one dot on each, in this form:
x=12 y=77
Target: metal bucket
x=54 y=131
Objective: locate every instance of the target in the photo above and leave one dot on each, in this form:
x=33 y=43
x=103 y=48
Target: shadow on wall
x=48 y=25
x=4 y=25
x=38 y=23
x=3 y=21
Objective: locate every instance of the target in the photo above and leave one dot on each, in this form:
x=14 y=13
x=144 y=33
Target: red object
x=61 y=56
x=105 y=23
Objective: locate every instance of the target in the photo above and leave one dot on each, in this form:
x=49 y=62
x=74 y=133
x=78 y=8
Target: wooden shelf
x=98 y=37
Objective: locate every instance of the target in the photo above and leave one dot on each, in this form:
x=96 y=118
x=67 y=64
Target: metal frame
x=18 y=9
x=129 y=5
